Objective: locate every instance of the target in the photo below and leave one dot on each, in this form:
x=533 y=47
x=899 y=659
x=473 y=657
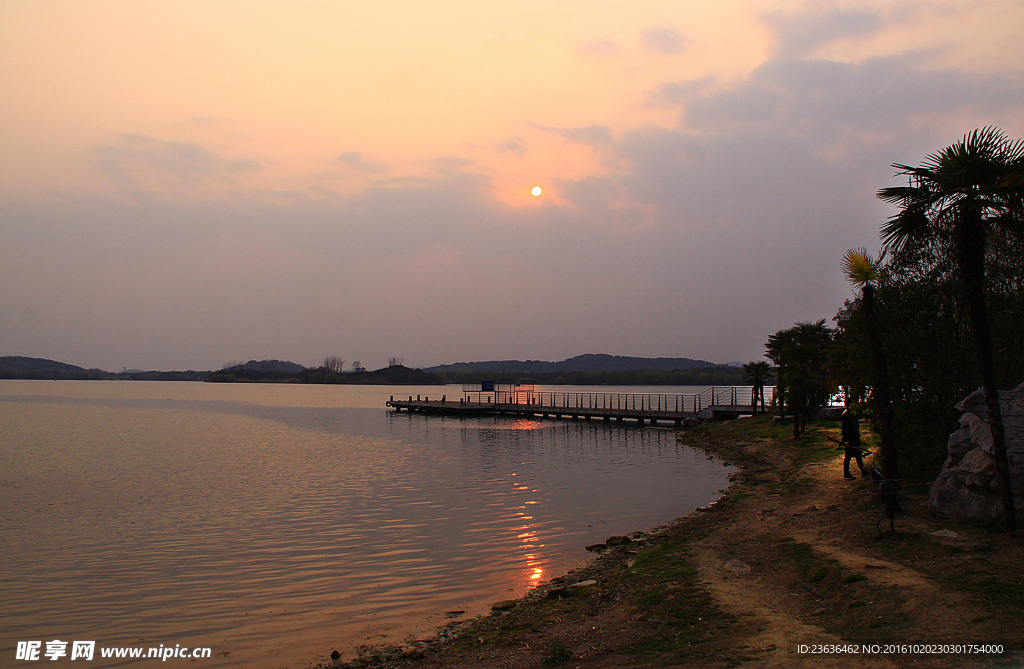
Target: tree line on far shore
x=333 y=371
x=695 y=376
x=330 y=372
x=396 y=373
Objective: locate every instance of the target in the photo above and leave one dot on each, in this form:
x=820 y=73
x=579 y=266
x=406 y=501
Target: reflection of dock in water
x=517 y=399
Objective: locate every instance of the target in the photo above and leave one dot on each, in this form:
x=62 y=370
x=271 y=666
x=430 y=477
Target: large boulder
x=968 y=487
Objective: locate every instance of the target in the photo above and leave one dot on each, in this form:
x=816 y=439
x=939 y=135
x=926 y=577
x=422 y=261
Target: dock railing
x=732 y=396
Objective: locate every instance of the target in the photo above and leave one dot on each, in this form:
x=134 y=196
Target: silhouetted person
x=851 y=440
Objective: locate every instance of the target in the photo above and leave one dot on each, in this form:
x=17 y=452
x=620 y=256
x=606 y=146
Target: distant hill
x=590 y=362
x=395 y=375
x=282 y=366
x=20 y=367
x=17 y=363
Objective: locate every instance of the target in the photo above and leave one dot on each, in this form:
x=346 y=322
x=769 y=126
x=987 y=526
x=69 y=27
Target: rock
x=737 y=567
x=412 y=653
x=596 y=548
x=503 y=605
x=566 y=591
x=968 y=486
x=618 y=541
x=335 y=655
x=946 y=534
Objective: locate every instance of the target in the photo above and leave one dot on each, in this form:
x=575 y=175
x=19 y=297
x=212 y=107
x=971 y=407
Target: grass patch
x=671 y=597
x=819 y=575
x=557 y=654
x=1000 y=591
x=809 y=565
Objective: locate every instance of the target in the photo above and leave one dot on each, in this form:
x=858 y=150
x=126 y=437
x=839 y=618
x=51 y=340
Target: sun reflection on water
x=526 y=424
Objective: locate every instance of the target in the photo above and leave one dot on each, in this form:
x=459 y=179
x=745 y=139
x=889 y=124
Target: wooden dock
x=641 y=408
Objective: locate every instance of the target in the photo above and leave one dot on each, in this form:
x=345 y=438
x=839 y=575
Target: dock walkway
x=644 y=408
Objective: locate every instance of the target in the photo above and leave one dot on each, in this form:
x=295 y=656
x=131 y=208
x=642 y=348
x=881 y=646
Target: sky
x=185 y=184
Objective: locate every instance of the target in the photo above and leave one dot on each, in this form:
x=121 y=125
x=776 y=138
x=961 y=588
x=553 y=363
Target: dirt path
x=790 y=558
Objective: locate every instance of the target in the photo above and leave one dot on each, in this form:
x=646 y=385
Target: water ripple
x=277 y=523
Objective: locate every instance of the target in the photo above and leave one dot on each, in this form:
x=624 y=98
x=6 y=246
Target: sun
x=536 y=190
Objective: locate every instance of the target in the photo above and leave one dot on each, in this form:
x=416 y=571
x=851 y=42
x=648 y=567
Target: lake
x=274 y=523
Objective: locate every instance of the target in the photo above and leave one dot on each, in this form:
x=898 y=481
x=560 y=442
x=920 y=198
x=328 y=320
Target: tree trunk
x=780 y=397
x=971 y=249
x=798 y=411
x=880 y=388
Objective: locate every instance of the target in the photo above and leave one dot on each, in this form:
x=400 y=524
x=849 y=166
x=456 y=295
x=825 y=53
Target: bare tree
x=358 y=367
x=395 y=362
x=334 y=363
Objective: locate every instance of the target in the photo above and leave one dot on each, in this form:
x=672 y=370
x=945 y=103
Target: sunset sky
x=184 y=184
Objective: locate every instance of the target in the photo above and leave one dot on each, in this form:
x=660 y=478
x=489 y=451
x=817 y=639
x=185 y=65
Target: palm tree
x=757 y=373
x=967 y=191
x=800 y=353
x=779 y=349
x=862 y=271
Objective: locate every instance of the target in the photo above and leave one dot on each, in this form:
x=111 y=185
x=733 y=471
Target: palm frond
x=909 y=224
x=859 y=267
x=1014 y=176
x=979 y=179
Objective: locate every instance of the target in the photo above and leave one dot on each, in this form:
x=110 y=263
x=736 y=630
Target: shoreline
x=606 y=557
x=789 y=556
x=603 y=564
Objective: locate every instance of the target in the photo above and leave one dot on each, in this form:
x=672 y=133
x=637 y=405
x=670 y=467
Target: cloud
x=452 y=166
x=677 y=93
x=358 y=162
x=595 y=136
x=516 y=146
x=140 y=159
x=821 y=98
x=794 y=129
x=664 y=40
x=800 y=34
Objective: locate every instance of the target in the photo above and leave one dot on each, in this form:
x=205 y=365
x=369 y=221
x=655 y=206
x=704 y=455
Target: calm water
x=275 y=523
